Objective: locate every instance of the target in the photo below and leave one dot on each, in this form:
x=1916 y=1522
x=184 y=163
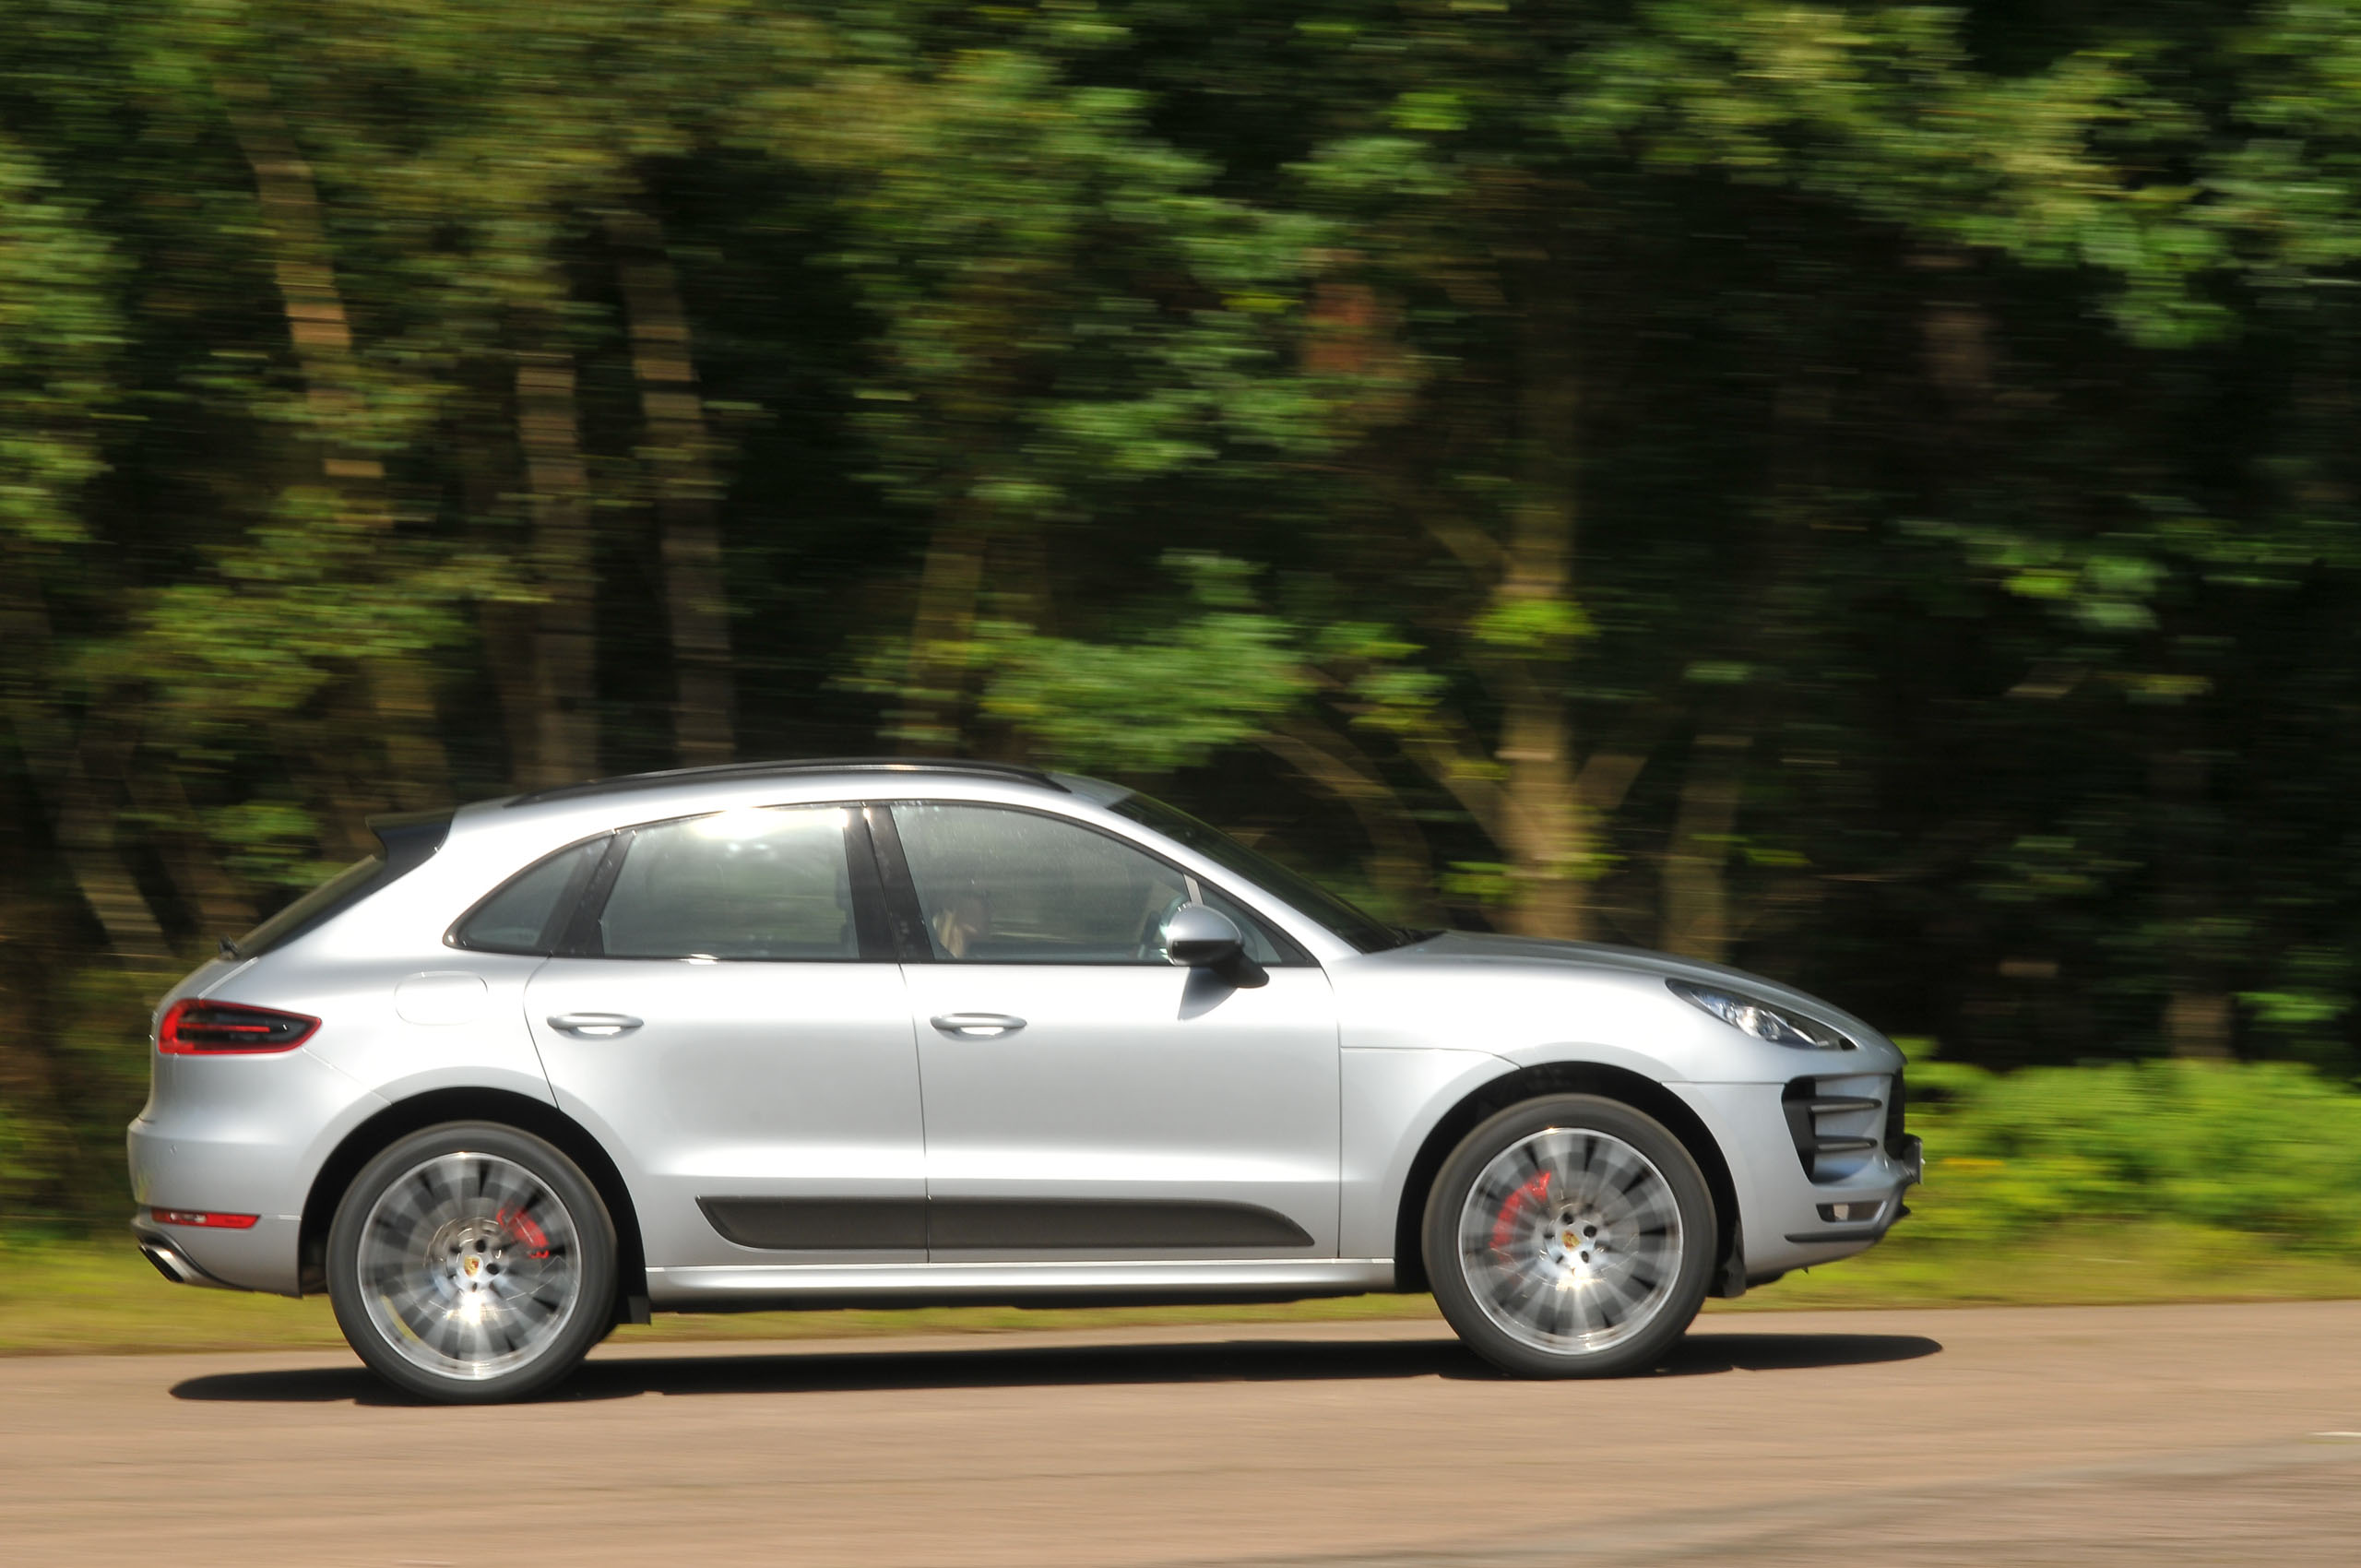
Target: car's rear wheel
x=472 y=1263
x=1570 y=1236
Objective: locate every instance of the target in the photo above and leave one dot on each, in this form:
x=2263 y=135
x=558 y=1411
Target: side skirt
x=734 y=1288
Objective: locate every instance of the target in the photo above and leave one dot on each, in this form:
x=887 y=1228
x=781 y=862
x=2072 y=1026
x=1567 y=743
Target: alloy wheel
x=469 y=1266
x=1571 y=1241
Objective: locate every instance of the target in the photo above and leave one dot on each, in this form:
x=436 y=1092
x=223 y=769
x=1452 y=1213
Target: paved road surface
x=2163 y=1435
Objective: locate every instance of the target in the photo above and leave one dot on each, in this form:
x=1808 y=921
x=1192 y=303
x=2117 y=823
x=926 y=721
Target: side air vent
x=1836 y=1122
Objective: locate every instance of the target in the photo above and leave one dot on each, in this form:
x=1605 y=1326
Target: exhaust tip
x=175 y=1267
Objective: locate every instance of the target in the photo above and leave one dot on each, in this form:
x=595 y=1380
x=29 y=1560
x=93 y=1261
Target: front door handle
x=978 y=1025
x=593 y=1026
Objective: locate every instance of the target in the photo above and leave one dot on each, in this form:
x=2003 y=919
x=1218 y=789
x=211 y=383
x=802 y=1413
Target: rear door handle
x=593 y=1026
x=978 y=1025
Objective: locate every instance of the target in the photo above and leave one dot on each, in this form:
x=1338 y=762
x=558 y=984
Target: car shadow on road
x=1006 y=1364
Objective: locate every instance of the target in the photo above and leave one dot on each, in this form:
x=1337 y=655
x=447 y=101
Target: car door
x=734 y=1028
x=1085 y=1099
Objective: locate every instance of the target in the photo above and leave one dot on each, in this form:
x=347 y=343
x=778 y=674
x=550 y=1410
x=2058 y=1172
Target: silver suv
x=897 y=1033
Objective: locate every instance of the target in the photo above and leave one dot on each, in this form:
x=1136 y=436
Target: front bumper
x=1789 y=1203
x=1841 y=1219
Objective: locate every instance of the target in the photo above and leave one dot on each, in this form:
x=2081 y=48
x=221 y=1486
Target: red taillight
x=209 y=1221
x=226 y=1028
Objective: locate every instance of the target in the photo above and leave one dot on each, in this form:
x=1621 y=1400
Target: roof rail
x=728 y=770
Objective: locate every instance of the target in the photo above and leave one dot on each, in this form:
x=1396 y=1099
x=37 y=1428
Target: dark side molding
x=995 y=1224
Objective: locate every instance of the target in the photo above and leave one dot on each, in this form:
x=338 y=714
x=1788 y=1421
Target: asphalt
x=2155 y=1435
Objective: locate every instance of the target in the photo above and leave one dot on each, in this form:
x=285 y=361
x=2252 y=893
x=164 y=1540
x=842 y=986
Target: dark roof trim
x=728 y=770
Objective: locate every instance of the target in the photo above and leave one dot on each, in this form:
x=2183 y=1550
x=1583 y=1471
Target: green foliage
x=1166 y=701
x=2266 y=1149
x=1863 y=492
x=59 y=337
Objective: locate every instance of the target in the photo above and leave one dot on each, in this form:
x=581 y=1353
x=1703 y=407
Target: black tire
x=1514 y=1291
x=521 y=1268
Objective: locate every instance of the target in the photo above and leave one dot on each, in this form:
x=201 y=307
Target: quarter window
x=1000 y=886
x=527 y=915
x=768 y=882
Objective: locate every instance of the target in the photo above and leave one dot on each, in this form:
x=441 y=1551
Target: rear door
x=1084 y=1099
x=736 y=1032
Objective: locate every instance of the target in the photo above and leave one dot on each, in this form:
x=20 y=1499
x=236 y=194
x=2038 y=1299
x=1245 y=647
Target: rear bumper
x=238 y=1135
x=262 y=1258
x=170 y=1260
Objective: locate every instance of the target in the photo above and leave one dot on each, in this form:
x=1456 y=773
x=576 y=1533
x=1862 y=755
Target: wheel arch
x=1618 y=1083
x=542 y=1120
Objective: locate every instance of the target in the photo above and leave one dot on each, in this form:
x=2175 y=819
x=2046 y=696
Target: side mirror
x=1200 y=938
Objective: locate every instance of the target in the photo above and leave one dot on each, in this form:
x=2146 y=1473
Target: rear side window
x=768 y=882
x=529 y=912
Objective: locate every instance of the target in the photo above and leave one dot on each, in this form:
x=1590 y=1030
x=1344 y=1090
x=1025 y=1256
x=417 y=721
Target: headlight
x=1760 y=1019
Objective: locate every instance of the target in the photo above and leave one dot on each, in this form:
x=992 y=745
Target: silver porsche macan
x=897 y=1033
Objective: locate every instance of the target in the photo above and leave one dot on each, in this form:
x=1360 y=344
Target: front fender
x=1393 y=1101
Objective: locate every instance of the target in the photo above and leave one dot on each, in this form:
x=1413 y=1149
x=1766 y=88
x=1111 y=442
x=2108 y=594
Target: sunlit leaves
x=1166 y=698
x=59 y=337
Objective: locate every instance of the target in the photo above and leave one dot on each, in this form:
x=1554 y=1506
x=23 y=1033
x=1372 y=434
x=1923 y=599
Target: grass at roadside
x=59 y=1298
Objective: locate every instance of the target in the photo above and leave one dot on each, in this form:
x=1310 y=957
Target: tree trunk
x=219 y=908
x=1550 y=836
x=58 y=767
x=2197 y=1021
x=506 y=627
x=1695 y=878
x=1399 y=861
x=679 y=454
x=86 y=836
x=303 y=267
x=933 y=687
x=565 y=731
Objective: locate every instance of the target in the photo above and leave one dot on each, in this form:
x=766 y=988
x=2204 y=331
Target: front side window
x=1363 y=931
x=1002 y=887
x=767 y=883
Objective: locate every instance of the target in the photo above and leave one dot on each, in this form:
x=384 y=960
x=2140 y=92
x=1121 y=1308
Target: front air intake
x=1835 y=1122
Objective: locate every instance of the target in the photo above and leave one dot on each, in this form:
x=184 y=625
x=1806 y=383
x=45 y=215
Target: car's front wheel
x=1570 y=1236
x=472 y=1263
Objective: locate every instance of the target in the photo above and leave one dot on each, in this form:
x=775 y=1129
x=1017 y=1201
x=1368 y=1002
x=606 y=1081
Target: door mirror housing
x=1201 y=938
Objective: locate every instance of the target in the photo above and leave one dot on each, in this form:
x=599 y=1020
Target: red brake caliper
x=522 y=1227
x=1531 y=1195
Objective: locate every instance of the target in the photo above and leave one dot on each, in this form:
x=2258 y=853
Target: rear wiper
x=229 y=949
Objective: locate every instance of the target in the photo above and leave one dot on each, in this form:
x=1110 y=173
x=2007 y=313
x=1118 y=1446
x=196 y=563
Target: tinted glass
x=327 y=898
x=766 y=884
x=1363 y=930
x=1000 y=886
x=523 y=916
x=406 y=841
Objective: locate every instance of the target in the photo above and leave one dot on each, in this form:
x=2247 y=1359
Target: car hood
x=1471 y=949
